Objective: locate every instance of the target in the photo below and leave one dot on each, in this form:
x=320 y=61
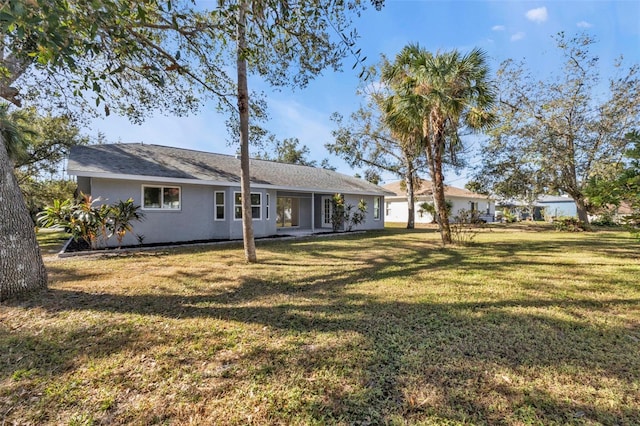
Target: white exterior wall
x=396 y=208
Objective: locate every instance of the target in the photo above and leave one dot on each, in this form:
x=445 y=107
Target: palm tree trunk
x=433 y=149
x=440 y=202
x=243 y=109
x=21 y=266
x=411 y=199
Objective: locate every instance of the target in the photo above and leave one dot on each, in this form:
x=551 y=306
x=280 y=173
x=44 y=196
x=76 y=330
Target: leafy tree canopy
x=554 y=135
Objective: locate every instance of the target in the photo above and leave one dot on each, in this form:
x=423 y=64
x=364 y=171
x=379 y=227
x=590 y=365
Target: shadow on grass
x=410 y=360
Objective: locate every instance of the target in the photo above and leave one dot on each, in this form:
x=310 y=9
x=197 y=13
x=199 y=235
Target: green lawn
x=520 y=328
x=51 y=240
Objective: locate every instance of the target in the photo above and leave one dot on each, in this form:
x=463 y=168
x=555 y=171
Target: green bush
x=569 y=224
x=86 y=221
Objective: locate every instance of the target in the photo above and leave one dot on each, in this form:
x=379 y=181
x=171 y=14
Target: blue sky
x=504 y=29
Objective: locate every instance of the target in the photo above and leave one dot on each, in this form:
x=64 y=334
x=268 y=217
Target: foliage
x=508 y=216
x=288 y=151
x=435 y=97
x=368 y=139
x=464 y=227
x=354 y=218
x=337 y=212
x=85 y=220
x=343 y=217
x=570 y=224
x=16 y=130
x=39 y=193
x=622 y=187
x=430 y=208
x=120 y=216
x=556 y=134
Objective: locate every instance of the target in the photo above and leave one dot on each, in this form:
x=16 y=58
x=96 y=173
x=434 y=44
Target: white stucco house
x=396 y=206
x=189 y=195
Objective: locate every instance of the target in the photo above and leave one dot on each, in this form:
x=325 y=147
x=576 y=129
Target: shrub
x=464 y=227
x=343 y=215
x=569 y=224
x=88 y=222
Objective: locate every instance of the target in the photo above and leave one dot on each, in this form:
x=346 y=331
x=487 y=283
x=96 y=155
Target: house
x=396 y=206
x=191 y=195
x=546 y=207
x=554 y=206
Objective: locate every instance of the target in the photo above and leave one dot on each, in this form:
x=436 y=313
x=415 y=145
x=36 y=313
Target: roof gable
x=141 y=161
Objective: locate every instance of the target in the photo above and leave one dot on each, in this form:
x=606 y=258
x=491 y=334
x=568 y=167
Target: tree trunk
x=411 y=201
x=21 y=266
x=581 y=209
x=243 y=109
x=440 y=202
x=434 y=158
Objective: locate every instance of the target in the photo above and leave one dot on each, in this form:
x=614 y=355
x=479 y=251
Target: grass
x=520 y=328
x=51 y=240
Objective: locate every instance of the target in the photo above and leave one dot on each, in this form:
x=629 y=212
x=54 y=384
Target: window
x=161 y=197
x=256 y=205
x=219 y=205
x=474 y=206
x=266 y=213
x=376 y=208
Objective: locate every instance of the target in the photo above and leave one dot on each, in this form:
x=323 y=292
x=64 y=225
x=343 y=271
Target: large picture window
x=161 y=197
x=256 y=205
x=219 y=205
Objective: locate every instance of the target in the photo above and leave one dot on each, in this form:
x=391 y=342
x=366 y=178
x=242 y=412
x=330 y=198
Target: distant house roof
x=425 y=190
x=136 y=161
x=555 y=199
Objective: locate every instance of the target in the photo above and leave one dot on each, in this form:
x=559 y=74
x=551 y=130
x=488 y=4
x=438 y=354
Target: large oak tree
x=565 y=129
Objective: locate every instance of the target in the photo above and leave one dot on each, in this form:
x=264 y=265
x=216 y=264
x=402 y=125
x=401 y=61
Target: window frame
x=267 y=201
x=377 y=208
x=162 y=206
x=216 y=205
x=235 y=206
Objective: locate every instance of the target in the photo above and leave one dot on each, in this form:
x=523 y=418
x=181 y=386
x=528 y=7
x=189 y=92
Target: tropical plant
x=85 y=220
x=343 y=216
x=337 y=212
x=17 y=131
x=437 y=95
x=429 y=207
x=354 y=218
x=120 y=216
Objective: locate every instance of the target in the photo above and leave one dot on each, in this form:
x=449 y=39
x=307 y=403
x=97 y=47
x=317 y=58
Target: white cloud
x=498 y=28
x=517 y=36
x=583 y=24
x=537 y=15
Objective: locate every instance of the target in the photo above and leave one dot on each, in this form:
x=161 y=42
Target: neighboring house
x=547 y=207
x=554 y=206
x=191 y=195
x=396 y=206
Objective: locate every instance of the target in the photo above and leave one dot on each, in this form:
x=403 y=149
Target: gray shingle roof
x=139 y=161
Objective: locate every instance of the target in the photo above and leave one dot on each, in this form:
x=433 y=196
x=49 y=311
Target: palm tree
x=15 y=132
x=439 y=94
